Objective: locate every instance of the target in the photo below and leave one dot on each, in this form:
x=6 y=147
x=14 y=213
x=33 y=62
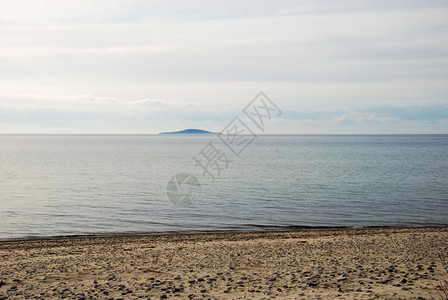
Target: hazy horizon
x=258 y=134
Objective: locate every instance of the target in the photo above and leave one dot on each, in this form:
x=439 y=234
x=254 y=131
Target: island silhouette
x=190 y=131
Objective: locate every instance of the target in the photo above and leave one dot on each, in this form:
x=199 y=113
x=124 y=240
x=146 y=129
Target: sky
x=142 y=67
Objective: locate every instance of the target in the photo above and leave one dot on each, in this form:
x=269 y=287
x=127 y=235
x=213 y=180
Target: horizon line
x=205 y=134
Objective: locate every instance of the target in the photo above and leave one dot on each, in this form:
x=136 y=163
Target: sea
x=60 y=185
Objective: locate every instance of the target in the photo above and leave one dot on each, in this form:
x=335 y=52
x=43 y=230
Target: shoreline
x=348 y=263
x=263 y=229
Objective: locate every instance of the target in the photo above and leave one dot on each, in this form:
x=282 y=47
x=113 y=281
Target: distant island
x=190 y=131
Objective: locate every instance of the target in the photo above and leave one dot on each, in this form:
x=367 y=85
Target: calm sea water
x=92 y=184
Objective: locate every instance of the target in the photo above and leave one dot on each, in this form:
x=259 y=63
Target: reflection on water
x=87 y=184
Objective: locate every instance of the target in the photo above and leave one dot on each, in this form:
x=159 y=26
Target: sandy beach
x=375 y=263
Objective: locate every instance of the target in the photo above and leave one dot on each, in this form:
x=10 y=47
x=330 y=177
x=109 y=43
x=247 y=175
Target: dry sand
x=380 y=263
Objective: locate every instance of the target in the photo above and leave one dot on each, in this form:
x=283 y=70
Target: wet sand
x=375 y=263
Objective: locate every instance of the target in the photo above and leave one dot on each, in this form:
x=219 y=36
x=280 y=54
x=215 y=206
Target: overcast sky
x=108 y=66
